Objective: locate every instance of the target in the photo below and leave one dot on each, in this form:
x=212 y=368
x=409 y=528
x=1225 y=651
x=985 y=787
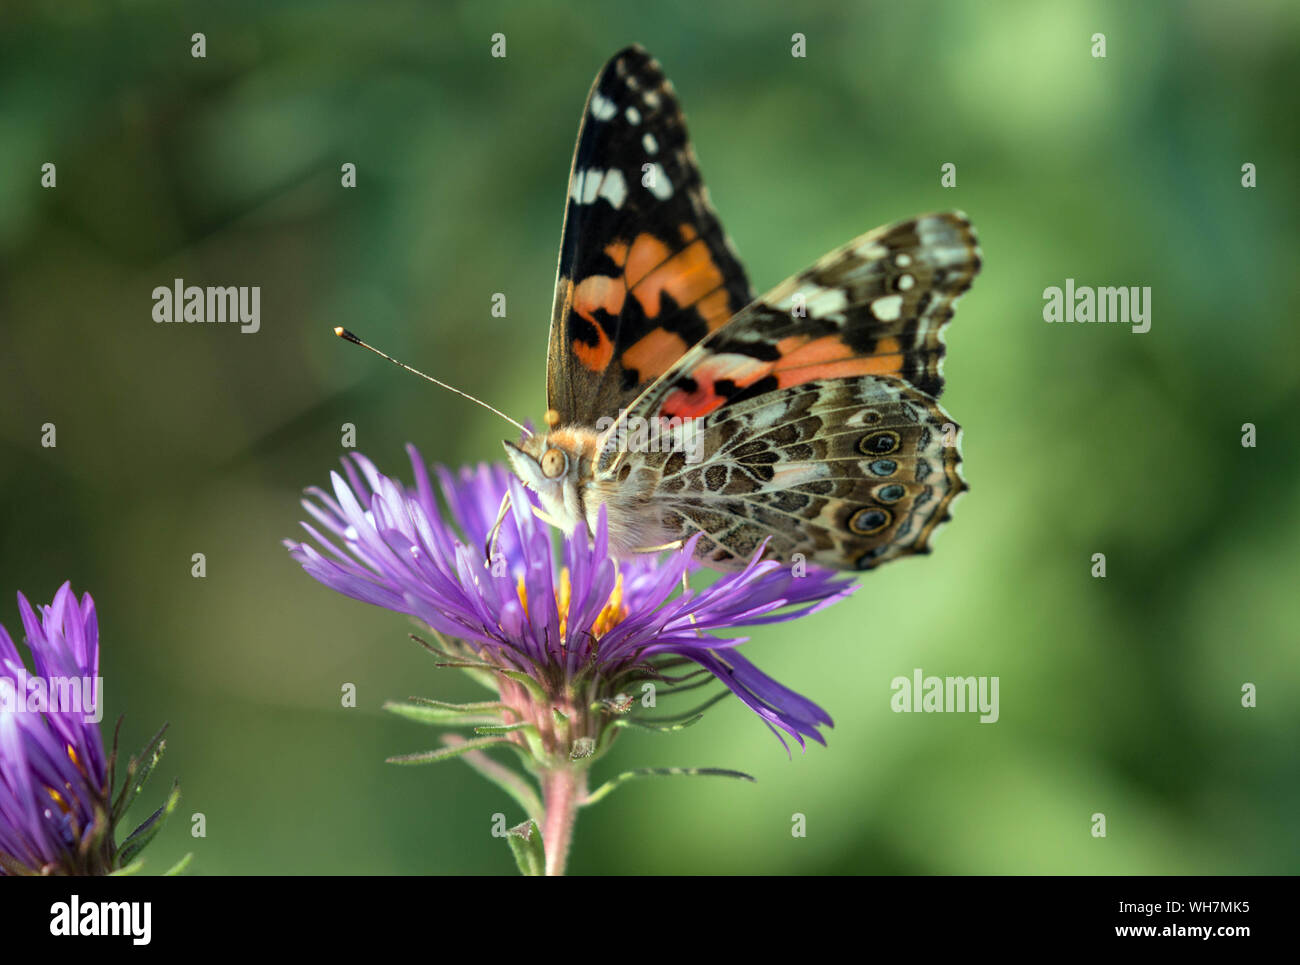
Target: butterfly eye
x=554 y=463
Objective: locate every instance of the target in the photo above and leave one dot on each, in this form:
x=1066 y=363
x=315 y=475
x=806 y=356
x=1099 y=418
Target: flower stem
x=563 y=790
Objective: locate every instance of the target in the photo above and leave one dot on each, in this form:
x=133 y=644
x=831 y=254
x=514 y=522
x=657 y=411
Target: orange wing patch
x=654 y=354
x=645 y=255
x=803 y=359
x=688 y=276
x=650 y=270
x=715 y=309
x=617 y=251
x=739 y=370
x=590 y=295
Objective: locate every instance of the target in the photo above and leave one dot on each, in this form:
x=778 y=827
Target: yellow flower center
x=59 y=799
x=610 y=616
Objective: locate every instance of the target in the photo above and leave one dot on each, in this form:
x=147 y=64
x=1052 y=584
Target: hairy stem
x=563 y=790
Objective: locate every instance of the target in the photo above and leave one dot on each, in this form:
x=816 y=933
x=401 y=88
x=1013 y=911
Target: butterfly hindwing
x=850 y=473
x=646 y=270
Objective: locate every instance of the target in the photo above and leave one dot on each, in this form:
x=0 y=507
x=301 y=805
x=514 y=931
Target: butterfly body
x=574 y=497
x=805 y=420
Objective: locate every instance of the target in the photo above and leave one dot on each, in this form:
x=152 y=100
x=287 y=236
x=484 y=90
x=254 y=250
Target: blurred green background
x=1119 y=695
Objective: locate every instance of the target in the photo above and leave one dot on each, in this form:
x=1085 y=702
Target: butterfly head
x=557 y=466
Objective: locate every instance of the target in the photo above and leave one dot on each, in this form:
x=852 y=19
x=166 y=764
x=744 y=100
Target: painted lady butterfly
x=806 y=417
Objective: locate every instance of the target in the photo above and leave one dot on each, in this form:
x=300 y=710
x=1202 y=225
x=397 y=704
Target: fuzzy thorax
x=559 y=467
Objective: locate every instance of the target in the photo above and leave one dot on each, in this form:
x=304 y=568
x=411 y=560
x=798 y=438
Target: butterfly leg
x=489 y=548
x=674 y=545
x=686 y=588
x=546 y=517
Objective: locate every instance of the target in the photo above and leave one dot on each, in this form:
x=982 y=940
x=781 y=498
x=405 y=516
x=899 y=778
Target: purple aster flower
x=57 y=812
x=569 y=635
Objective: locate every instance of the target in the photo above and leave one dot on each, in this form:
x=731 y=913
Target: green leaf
x=138 y=839
x=475 y=707
x=530 y=852
x=656 y=670
x=645 y=724
x=504 y=728
x=444 y=652
x=466 y=665
x=435 y=716
x=179 y=867
x=138 y=770
x=503 y=777
x=529 y=684
x=626 y=776
x=112 y=758
x=682 y=688
x=446 y=753
x=455 y=656
x=518 y=676
x=690 y=716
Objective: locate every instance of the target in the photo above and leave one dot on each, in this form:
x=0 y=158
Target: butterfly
x=804 y=420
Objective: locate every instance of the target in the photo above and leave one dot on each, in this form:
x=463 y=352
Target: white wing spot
x=766 y=417
x=633 y=115
x=575 y=185
x=651 y=98
x=905 y=282
x=659 y=184
x=825 y=301
x=590 y=184
x=887 y=308
x=613 y=188
x=602 y=108
x=649 y=143
x=902 y=260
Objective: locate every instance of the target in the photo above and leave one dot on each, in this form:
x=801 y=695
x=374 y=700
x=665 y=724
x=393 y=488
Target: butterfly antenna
x=344 y=334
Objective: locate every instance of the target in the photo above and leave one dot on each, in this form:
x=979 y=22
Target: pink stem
x=563 y=790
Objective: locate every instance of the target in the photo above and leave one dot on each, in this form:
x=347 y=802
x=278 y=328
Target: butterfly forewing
x=645 y=270
x=876 y=306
